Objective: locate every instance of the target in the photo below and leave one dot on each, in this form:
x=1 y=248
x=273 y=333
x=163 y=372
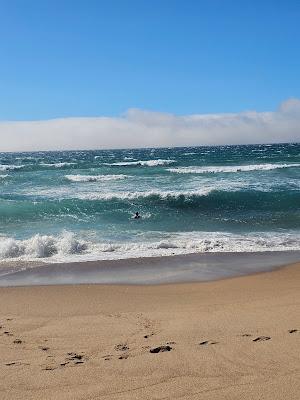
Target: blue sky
x=100 y=58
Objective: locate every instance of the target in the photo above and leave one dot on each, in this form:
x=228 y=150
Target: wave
x=151 y=194
x=231 y=168
x=205 y=199
x=6 y=167
x=143 y=163
x=3 y=176
x=26 y=158
x=58 y=164
x=40 y=246
x=94 y=178
x=235 y=208
x=68 y=247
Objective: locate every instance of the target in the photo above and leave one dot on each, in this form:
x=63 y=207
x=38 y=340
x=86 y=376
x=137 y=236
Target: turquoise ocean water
x=78 y=205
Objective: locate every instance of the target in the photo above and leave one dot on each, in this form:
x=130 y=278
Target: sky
x=100 y=74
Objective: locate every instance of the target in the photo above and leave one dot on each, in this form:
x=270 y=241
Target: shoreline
x=228 y=339
x=187 y=268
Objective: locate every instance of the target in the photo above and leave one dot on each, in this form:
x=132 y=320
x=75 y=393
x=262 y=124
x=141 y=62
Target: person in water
x=137 y=215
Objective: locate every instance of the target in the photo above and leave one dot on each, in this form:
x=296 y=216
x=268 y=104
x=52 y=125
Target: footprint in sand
x=293 y=330
x=261 y=338
x=15 y=363
x=149 y=335
x=121 y=347
x=49 y=368
x=160 y=349
x=108 y=357
x=124 y=357
x=11 y=363
x=207 y=342
x=44 y=348
x=74 y=358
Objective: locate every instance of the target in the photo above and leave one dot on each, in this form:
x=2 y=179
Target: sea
x=69 y=206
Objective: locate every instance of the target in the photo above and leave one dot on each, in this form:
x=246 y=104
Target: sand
x=231 y=339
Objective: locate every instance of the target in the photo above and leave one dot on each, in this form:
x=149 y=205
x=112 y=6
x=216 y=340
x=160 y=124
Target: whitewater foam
x=58 y=164
x=146 y=194
x=229 y=168
x=66 y=247
x=94 y=178
x=5 y=167
x=40 y=246
x=143 y=163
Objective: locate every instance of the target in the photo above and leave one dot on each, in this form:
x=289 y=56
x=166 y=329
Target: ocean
x=73 y=206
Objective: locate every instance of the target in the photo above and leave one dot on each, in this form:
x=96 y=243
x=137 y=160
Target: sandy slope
x=93 y=342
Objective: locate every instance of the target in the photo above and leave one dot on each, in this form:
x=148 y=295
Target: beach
x=150 y=200
x=236 y=338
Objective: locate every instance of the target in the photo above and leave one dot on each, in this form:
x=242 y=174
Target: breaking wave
x=147 y=163
x=58 y=164
x=235 y=205
x=4 y=167
x=158 y=194
x=66 y=247
x=230 y=168
x=40 y=246
x=94 y=178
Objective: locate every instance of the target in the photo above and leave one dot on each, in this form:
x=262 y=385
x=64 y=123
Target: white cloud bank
x=153 y=129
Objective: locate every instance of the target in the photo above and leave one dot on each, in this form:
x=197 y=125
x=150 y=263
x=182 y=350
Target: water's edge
x=151 y=270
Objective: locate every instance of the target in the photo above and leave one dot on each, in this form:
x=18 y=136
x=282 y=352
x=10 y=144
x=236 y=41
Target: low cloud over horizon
x=139 y=128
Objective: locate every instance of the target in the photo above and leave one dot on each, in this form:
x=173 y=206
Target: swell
x=207 y=199
x=22 y=207
x=231 y=168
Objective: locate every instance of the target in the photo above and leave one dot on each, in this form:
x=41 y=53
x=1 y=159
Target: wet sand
x=236 y=338
x=198 y=267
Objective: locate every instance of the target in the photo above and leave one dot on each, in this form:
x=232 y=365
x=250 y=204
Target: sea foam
x=58 y=164
x=144 y=195
x=143 y=163
x=229 y=168
x=94 y=178
x=67 y=247
x=5 y=167
x=40 y=246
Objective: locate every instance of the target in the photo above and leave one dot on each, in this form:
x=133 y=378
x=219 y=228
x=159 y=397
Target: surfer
x=137 y=215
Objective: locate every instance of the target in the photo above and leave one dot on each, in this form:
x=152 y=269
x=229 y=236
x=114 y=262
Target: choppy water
x=78 y=205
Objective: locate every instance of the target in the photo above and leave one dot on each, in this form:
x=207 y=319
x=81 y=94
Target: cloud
x=138 y=128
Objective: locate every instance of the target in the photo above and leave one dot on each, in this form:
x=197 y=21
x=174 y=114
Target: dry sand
x=233 y=339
